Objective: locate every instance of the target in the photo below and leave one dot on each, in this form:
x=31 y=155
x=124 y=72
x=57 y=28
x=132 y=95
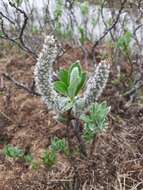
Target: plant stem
x=93 y=145
x=68 y=130
x=75 y=126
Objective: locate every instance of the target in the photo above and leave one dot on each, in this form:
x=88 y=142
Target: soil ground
x=117 y=161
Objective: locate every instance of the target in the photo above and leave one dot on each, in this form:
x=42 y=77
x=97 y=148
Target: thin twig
x=107 y=30
x=105 y=24
x=9 y=19
x=19 y=40
x=20 y=85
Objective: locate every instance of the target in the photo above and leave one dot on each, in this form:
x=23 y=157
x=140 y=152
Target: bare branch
x=19 y=41
x=4 y=16
x=20 y=85
x=107 y=30
x=105 y=24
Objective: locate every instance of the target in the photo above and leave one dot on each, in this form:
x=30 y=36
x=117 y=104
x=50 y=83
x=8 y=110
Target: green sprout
x=70 y=81
x=95 y=121
x=28 y=158
x=124 y=41
x=13 y=152
x=49 y=158
x=30 y=161
x=59 y=145
x=84 y=8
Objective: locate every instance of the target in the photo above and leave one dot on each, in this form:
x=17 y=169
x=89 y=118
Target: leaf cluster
x=95 y=121
x=17 y=153
x=84 y=8
x=13 y=152
x=124 y=41
x=58 y=10
x=49 y=158
x=71 y=81
x=57 y=145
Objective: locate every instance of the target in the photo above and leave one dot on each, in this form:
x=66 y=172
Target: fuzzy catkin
x=43 y=78
x=44 y=75
x=96 y=83
x=94 y=88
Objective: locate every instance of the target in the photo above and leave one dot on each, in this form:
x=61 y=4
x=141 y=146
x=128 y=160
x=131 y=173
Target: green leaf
x=96 y=120
x=59 y=9
x=49 y=158
x=89 y=132
x=34 y=165
x=75 y=79
x=60 y=87
x=59 y=145
x=1 y=34
x=82 y=82
x=70 y=81
x=74 y=74
x=28 y=158
x=13 y=152
x=76 y=64
x=84 y=7
x=72 y=89
x=85 y=118
x=63 y=76
x=124 y=41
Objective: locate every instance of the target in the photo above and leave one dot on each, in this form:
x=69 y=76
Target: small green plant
x=13 y=152
x=49 y=158
x=28 y=158
x=59 y=9
x=17 y=153
x=124 y=41
x=84 y=8
x=70 y=82
x=123 y=44
x=59 y=145
x=95 y=121
x=1 y=34
x=30 y=161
